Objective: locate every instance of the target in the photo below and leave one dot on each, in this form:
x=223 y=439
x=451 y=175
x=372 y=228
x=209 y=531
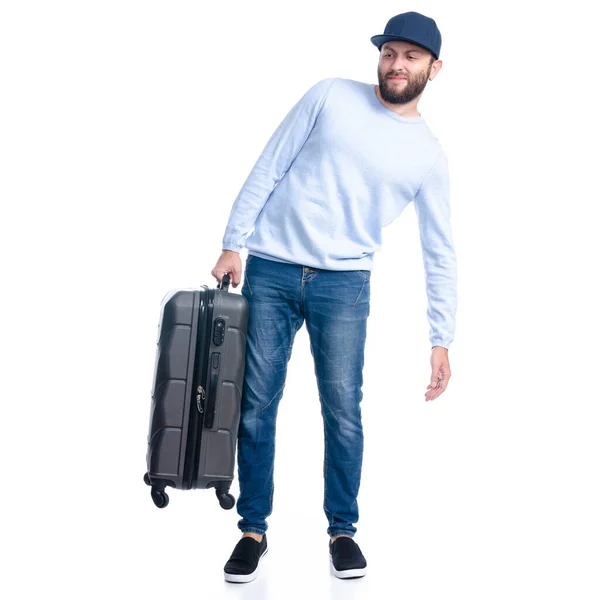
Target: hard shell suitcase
x=196 y=393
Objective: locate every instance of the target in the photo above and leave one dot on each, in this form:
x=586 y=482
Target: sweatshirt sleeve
x=432 y=206
x=273 y=163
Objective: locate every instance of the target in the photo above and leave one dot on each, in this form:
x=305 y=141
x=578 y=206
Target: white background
x=127 y=130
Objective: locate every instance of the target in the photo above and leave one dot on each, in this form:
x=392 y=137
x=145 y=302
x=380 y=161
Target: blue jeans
x=335 y=306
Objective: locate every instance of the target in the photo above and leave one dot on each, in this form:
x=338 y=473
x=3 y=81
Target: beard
x=414 y=85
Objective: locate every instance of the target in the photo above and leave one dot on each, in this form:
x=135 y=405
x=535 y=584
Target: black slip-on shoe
x=347 y=560
x=242 y=565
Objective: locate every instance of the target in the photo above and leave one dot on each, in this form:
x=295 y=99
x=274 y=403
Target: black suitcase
x=196 y=393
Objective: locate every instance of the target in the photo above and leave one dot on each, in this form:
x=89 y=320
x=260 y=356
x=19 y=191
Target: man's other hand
x=440 y=373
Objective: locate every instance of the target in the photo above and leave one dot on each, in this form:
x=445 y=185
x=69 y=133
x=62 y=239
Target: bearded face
x=400 y=87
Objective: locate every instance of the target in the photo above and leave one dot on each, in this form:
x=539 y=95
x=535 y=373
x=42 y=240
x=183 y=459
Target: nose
x=399 y=64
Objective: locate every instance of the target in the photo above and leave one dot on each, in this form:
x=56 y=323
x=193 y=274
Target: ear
x=436 y=65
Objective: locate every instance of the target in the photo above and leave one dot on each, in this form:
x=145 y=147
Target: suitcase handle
x=224 y=285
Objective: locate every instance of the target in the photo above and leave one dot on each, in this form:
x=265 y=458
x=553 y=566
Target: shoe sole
x=348 y=573
x=239 y=578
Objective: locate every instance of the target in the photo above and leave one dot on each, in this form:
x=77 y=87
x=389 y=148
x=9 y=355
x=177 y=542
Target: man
x=344 y=163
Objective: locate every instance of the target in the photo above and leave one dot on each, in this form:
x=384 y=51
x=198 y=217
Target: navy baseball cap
x=412 y=27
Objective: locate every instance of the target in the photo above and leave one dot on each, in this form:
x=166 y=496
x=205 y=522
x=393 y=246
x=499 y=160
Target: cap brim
x=380 y=40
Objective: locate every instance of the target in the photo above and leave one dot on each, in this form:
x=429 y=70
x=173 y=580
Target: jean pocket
x=365 y=274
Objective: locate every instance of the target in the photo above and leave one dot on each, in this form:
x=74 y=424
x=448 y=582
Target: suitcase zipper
x=199 y=375
x=200 y=398
x=205 y=317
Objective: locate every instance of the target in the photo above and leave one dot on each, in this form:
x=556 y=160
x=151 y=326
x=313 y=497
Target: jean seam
x=360 y=293
x=248 y=283
x=302 y=292
x=272 y=399
x=273 y=463
x=289 y=354
x=325 y=470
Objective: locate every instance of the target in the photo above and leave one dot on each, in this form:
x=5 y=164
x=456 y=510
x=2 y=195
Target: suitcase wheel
x=147 y=479
x=159 y=497
x=227 y=501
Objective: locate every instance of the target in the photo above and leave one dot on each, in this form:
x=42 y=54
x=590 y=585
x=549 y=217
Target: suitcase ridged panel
x=217 y=459
x=168 y=424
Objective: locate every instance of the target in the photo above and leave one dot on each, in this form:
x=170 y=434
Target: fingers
x=433 y=384
x=435 y=376
x=229 y=262
x=432 y=394
x=437 y=388
x=218 y=274
x=234 y=275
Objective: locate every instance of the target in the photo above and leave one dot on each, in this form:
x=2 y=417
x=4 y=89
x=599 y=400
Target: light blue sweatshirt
x=339 y=168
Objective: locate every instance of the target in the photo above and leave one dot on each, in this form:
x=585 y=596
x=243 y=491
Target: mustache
x=396 y=75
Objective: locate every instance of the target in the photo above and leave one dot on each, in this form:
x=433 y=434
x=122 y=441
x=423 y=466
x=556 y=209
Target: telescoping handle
x=224 y=285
